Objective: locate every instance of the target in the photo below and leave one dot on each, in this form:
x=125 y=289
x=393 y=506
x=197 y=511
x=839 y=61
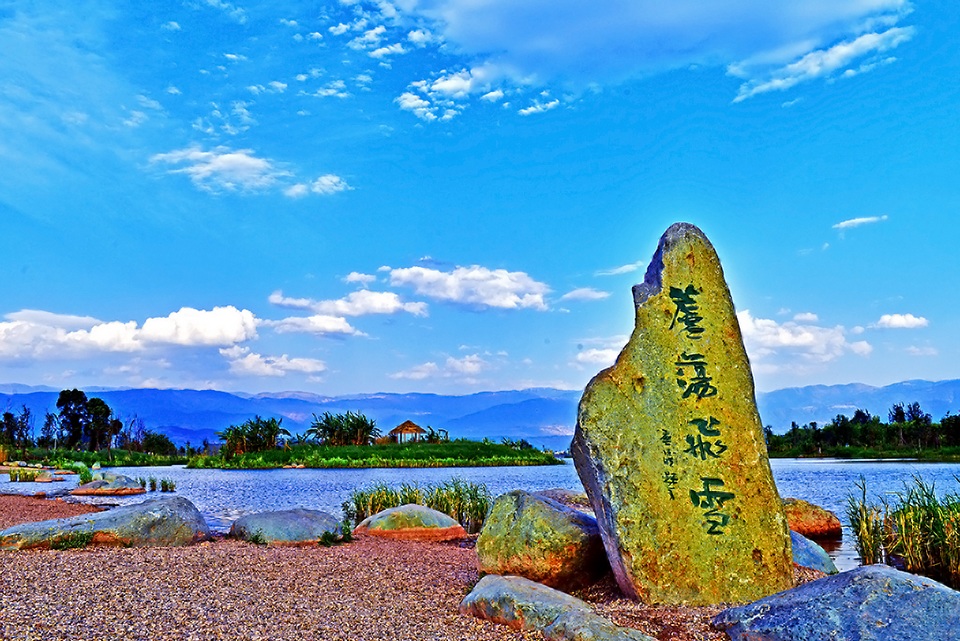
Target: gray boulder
x=285 y=527
x=526 y=605
x=109 y=484
x=810 y=555
x=171 y=521
x=538 y=538
x=870 y=603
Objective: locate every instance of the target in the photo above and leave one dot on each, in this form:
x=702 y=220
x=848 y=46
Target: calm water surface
x=225 y=495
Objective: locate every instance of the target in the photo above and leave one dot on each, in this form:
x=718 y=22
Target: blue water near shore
x=225 y=495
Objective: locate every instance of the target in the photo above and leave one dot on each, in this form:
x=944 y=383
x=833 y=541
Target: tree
x=352 y=428
x=97 y=432
x=50 y=432
x=898 y=417
x=157 y=443
x=254 y=435
x=73 y=415
x=16 y=429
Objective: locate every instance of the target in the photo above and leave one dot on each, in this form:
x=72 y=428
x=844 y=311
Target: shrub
x=466 y=502
x=920 y=532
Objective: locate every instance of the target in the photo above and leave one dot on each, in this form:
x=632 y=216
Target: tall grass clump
x=468 y=503
x=920 y=532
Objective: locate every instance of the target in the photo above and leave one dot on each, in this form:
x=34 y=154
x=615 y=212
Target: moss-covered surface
x=670 y=448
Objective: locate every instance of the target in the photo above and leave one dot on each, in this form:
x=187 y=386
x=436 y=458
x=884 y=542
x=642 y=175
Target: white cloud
x=288 y=22
x=594 y=356
x=51 y=319
x=492 y=96
x=766 y=339
x=420 y=37
x=315 y=35
x=460 y=368
x=913 y=350
x=222 y=169
x=359 y=303
x=170 y=26
x=806 y=317
x=219 y=326
x=235 y=57
x=585 y=293
x=390 y=50
x=329 y=184
x=246 y=363
x=173 y=91
x=357 y=277
x=857 y=222
x=475 y=285
x=277 y=86
x=297 y=190
x=43 y=335
x=901 y=321
x=581 y=45
x=333 y=89
x=339 y=30
x=321 y=324
x=623 y=269
x=413 y=103
x=232 y=11
x=538 y=107
x=822 y=62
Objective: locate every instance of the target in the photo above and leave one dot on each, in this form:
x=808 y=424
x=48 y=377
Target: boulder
x=811 y=520
x=109 y=485
x=540 y=539
x=413 y=523
x=526 y=605
x=171 y=521
x=870 y=603
x=47 y=477
x=285 y=527
x=810 y=555
x=670 y=449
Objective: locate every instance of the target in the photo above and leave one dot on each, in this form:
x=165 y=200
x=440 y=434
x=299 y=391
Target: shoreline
x=366 y=590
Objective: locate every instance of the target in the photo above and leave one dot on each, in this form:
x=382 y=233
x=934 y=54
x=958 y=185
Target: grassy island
x=457 y=453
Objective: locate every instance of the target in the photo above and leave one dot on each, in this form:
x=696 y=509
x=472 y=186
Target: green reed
x=920 y=531
x=466 y=502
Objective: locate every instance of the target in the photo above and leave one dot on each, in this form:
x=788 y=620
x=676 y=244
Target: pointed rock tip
x=652 y=279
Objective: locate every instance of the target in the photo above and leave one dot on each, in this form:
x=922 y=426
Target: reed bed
x=466 y=502
x=920 y=531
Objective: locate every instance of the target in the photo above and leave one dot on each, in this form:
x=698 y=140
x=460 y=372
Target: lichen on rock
x=670 y=448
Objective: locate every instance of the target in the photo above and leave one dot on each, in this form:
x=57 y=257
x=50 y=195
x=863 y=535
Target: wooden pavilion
x=409 y=430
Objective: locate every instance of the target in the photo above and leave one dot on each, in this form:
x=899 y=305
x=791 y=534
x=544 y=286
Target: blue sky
x=451 y=196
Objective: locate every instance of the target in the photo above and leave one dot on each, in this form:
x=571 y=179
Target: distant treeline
x=909 y=431
x=80 y=423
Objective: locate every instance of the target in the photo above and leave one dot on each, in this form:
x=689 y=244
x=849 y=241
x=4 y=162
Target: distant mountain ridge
x=543 y=416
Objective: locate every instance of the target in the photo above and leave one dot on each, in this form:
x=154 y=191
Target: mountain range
x=545 y=417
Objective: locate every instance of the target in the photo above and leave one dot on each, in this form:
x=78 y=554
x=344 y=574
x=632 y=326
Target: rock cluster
x=171 y=521
x=411 y=522
x=540 y=539
x=812 y=521
x=527 y=605
x=109 y=484
x=870 y=603
x=284 y=527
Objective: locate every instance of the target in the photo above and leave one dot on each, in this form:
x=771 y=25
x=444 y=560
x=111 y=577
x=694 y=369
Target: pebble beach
x=367 y=590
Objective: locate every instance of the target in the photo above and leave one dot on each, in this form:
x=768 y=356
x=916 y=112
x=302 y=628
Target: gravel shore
x=367 y=590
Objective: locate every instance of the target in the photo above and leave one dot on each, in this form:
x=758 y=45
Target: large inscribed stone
x=670 y=448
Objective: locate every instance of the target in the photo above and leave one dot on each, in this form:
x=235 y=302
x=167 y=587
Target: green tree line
x=80 y=424
x=907 y=429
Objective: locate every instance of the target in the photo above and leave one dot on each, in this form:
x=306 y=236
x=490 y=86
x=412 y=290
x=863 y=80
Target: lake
x=225 y=495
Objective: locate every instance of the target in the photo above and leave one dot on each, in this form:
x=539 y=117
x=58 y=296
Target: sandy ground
x=366 y=590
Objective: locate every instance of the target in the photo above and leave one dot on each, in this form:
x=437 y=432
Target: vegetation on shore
x=918 y=532
x=909 y=433
x=466 y=502
x=352 y=440
x=458 y=453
